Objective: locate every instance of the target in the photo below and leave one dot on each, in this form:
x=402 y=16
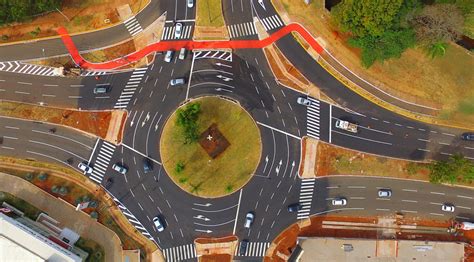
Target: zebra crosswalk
x=272 y=22
x=180 y=253
x=133 y=26
x=130 y=88
x=306 y=197
x=102 y=161
x=25 y=68
x=221 y=55
x=254 y=249
x=243 y=29
x=168 y=32
x=312 y=118
x=132 y=219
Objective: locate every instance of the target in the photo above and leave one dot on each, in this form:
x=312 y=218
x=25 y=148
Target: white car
x=385 y=193
x=169 y=56
x=190 y=3
x=303 y=101
x=339 y=201
x=447 y=208
x=158 y=224
x=119 y=168
x=84 y=167
x=249 y=219
x=178 y=30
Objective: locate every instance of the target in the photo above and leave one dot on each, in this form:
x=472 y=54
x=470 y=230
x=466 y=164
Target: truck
x=466 y=225
x=346 y=125
x=68 y=71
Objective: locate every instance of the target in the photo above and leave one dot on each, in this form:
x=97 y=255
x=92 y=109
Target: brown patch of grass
x=95 y=123
x=110 y=53
x=332 y=160
x=442 y=82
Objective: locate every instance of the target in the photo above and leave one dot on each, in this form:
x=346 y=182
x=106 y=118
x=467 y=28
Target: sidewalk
x=58 y=209
x=190 y=45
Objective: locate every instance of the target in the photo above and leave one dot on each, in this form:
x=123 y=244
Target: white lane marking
x=237 y=213
x=435 y=203
x=463 y=207
x=436 y=214
x=437 y=193
x=409 y=201
x=424 y=140
x=382 y=209
x=409 y=190
x=409 y=211
x=362 y=138
x=360 y=187
x=278 y=130
x=468 y=197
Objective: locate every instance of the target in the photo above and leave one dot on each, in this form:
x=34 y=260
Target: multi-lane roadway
x=243 y=76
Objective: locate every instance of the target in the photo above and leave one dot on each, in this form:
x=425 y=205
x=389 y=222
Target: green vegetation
x=96 y=252
x=454 y=170
x=187 y=119
x=29 y=210
x=20 y=10
x=190 y=166
x=384 y=30
x=209 y=13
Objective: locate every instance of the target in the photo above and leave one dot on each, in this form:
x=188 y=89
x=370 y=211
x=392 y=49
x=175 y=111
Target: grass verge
x=441 y=82
x=190 y=167
x=30 y=211
x=209 y=13
x=96 y=252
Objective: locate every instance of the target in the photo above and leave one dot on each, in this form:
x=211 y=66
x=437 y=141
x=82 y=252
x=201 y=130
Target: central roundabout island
x=210 y=147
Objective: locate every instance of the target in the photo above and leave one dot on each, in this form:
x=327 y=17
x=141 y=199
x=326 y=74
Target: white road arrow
x=262 y=4
x=133 y=118
x=277 y=169
x=156 y=125
x=266 y=163
x=202 y=217
x=203 y=205
x=291 y=171
x=205 y=231
x=146 y=118
x=224 y=65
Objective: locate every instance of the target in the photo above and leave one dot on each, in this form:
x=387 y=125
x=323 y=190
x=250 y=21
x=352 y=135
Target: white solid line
x=362 y=138
x=330 y=123
x=93 y=150
x=237 y=213
x=278 y=130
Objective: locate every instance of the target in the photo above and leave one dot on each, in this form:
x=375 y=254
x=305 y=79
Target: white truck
x=346 y=125
x=466 y=225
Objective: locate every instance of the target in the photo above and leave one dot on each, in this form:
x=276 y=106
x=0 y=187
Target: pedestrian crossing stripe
x=306 y=197
x=254 y=249
x=102 y=162
x=180 y=253
x=133 y=26
x=168 y=32
x=272 y=22
x=130 y=217
x=243 y=29
x=313 y=118
x=130 y=88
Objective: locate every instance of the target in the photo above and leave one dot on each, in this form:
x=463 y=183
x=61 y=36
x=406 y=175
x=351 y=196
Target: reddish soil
x=91 y=122
x=217 y=143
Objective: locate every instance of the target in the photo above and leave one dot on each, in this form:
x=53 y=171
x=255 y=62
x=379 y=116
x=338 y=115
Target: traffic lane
x=264 y=8
x=35 y=140
x=431 y=141
x=271 y=189
x=237 y=11
x=178 y=10
x=414 y=197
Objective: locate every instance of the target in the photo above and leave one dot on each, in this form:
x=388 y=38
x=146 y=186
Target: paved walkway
x=188 y=44
x=63 y=212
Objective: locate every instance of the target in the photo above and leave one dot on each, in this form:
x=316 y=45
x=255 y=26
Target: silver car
x=119 y=168
x=84 y=167
x=384 y=193
x=177 y=81
x=249 y=219
x=447 y=207
x=169 y=56
x=158 y=224
x=303 y=101
x=190 y=3
x=341 y=201
x=178 y=30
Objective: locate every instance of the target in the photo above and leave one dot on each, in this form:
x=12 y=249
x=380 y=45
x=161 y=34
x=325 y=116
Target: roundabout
x=213 y=154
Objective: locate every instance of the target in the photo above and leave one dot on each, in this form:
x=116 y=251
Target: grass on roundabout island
x=190 y=166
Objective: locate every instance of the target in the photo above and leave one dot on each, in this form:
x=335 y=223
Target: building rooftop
x=355 y=250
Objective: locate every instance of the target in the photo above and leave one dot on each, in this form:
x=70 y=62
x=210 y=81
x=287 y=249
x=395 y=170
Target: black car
x=147 y=165
x=243 y=247
x=468 y=136
x=294 y=207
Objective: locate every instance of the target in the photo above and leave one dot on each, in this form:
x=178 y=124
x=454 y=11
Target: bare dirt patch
x=213 y=141
x=82 y=15
x=96 y=123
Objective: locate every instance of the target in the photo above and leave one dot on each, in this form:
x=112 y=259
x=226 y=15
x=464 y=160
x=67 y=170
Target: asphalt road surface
x=244 y=77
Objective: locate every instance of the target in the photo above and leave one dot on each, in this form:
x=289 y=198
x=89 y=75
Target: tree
x=366 y=17
x=187 y=119
x=390 y=44
x=438 y=23
x=20 y=10
x=455 y=169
